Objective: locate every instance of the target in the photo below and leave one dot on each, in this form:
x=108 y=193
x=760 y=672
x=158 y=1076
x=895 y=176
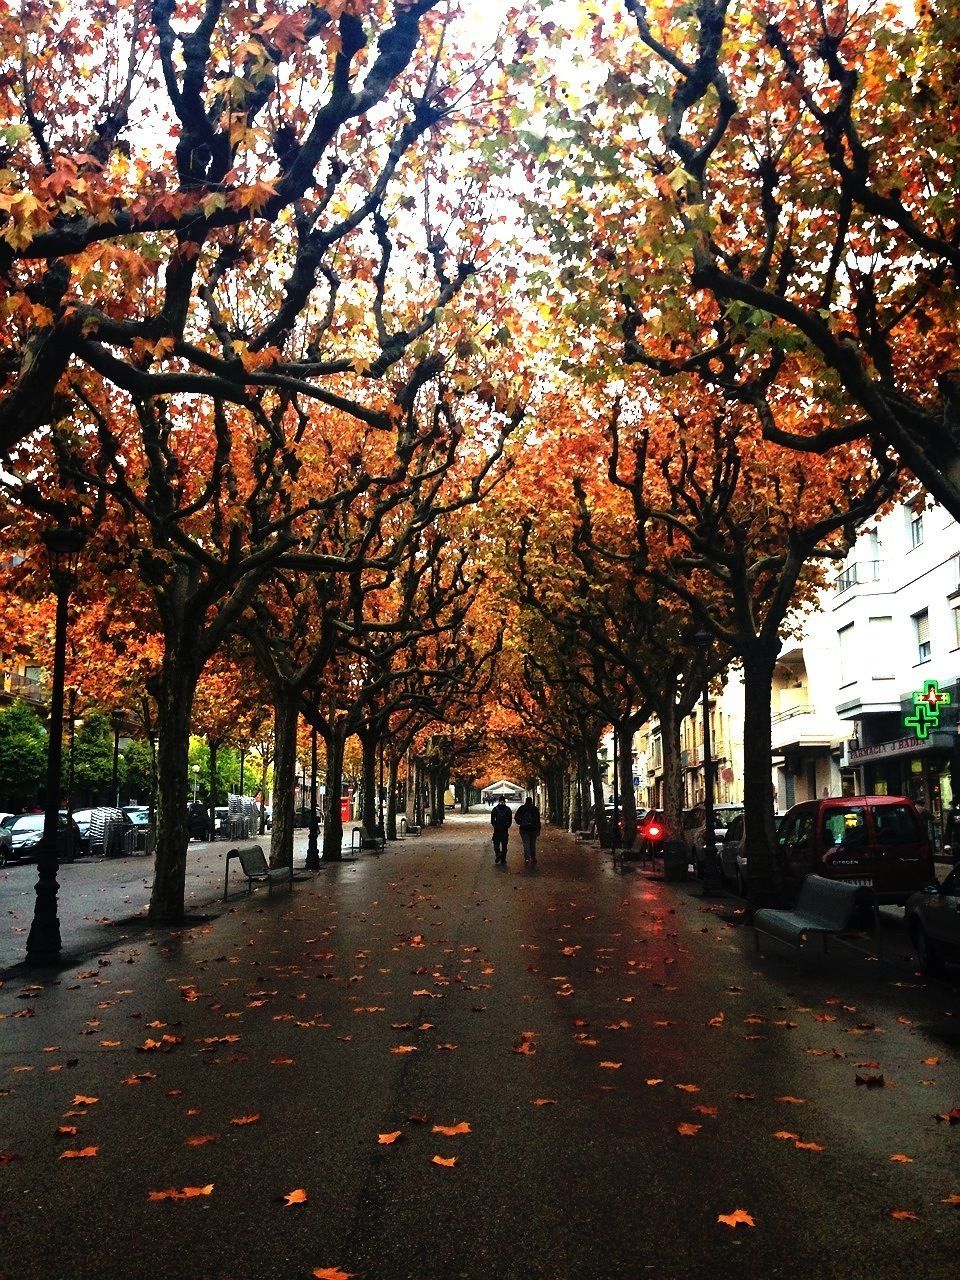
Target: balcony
x=18 y=686
x=858 y=574
x=797 y=727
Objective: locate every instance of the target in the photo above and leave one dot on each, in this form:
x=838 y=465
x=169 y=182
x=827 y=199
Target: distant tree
x=93 y=759
x=137 y=770
x=23 y=756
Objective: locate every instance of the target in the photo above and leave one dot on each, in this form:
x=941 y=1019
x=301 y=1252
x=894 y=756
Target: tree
x=23 y=756
x=93 y=759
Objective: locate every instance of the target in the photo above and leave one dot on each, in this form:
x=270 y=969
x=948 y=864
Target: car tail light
x=654 y=832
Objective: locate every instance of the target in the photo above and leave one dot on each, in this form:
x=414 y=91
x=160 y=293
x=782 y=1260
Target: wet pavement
x=585 y=1070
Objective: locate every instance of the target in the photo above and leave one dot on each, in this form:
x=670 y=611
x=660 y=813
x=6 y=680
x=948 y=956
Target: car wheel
x=930 y=959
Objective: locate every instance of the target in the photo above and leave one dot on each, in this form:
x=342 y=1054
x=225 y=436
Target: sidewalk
x=583 y=1071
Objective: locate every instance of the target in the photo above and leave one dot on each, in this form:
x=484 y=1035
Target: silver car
x=933 y=921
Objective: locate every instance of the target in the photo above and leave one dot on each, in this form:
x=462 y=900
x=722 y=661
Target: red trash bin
x=346 y=809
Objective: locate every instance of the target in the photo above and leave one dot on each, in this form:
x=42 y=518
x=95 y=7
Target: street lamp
x=64 y=544
x=117 y=719
x=711 y=871
x=195 y=770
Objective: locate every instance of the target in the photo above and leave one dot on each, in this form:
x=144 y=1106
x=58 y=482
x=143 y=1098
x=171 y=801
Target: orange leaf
x=900 y=1159
x=241 y=1120
x=447 y=1161
x=653 y=1081
x=954 y=1200
x=81 y=1101
x=185 y=1193
x=388 y=1139
x=404 y=1048
x=84 y=1153
x=544 y=1102
x=797 y=1102
x=784 y=1135
x=451 y=1130
x=809 y=1146
x=689 y=1130
x=281 y=1062
x=332 y=1273
x=66 y=1131
x=295 y=1197
x=688 y=1088
x=737 y=1218
x=202 y=1140
x=526 y=1046
x=931 y=1062
x=903 y=1215
x=611 y=1066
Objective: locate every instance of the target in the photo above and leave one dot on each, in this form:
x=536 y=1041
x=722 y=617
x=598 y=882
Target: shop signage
x=926 y=709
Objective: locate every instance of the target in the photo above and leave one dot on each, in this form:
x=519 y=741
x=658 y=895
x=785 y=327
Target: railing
x=24 y=687
x=780 y=716
x=857 y=574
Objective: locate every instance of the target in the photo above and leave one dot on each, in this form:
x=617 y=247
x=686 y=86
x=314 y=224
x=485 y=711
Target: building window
x=848 y=666
x=916 y=526
x=921 y=623
x=956 y=626
x=881 y=648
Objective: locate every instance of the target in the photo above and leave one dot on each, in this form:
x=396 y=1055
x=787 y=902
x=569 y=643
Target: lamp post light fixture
x=711 y=869
x=117 y=720
x=195 y=770
x=64 y=544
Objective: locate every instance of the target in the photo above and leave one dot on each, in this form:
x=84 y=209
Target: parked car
x=879 y=841
x=138 y=814
x=651 y=833
x=733 y=863
x=614 y=819
x=695 y=830
x=933 y=922
x=26 y=832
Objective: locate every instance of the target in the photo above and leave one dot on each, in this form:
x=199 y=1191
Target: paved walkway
x=584 y=1071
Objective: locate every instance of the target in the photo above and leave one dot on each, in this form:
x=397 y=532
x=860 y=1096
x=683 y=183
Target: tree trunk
x=285 y=716
x=393 y=769
x=333 y=822
x=759 y=835
x=596 y=783
x=674 y=853
x=176 y=689
x=368 y=779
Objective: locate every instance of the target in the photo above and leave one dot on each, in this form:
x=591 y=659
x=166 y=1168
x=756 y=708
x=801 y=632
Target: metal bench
x=361 y=838
x=825 y=907
x=588 y=833
x=254 y=866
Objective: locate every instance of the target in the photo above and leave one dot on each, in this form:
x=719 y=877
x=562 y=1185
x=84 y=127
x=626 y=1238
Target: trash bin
x=675 y=860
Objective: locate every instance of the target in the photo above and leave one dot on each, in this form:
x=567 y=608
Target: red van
x=880 y=841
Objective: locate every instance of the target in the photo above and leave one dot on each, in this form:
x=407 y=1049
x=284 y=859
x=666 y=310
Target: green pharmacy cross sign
x=926 y=713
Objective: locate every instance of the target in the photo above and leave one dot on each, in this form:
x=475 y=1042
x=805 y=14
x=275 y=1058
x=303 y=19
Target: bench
x=588 y=833
x=825 y=907
x=362 y=838
x=254 y=866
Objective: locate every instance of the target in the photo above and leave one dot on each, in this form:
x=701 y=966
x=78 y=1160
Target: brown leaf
x=404 y=1048
x=543 y=1102
x=201 y=1140
x=809 y=1146
x=954 y=1200
x=81 y=1101
x=797 y=1102
x=83 y=1153
x=242 y=1120
x=931 y=1062
x=901 y=1159
x=739 y=1217
x=66 y=1131
x=451 y=1130
x=784 y=1135
x=611 y=1066
x=903 y=1215
x=446 y=1161
x=419 y=1117
x=689 y=1130
x=688 y=1088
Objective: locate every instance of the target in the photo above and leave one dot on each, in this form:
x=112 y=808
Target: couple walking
x=527 y=819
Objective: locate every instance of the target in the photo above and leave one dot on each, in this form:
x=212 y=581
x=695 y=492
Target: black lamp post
x=711 y=870
x=64 y=544
x=117 y=719
x=313 y=837
x=380 y=827
x=72 y=722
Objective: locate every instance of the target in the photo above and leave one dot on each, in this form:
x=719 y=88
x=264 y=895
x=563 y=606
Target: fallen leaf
x=951 y=1117
x=281 y=1062
x=901 y=1159
x=388 y=1139
x=931 y=1062
x=525 y=1047
x=954 y=1200
x=83 y=1153
x=447 y=1161
x=689 y=1130
x=451 y=1130
x=809 y=1146
x=404 y=1048
x=66 y=1131
x=81 y=1101
x=688 y=1088
x=739 y=1217
x=295 y=1197
x=184 y=1193
x=241 y=1120
x=611 y=1066
x=332 y=1273
x=653 y=1081
x=903 y=1215
x=543 y=1102
x=419 y=1117
x=706 y=1111
x=201 y=1140
x=797 y=1102
x=784 y=1135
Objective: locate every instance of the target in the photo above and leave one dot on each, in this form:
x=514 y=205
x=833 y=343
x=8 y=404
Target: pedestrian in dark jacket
x=501 y=819
x=527 y=819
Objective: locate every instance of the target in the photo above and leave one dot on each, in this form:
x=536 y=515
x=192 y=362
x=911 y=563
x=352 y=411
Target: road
x=608 y=1064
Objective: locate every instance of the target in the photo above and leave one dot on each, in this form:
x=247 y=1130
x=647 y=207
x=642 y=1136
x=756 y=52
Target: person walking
x=527 y=819
x=501 y=819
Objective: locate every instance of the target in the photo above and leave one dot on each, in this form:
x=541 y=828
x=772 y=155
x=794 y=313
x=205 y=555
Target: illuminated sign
x=926 y=709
